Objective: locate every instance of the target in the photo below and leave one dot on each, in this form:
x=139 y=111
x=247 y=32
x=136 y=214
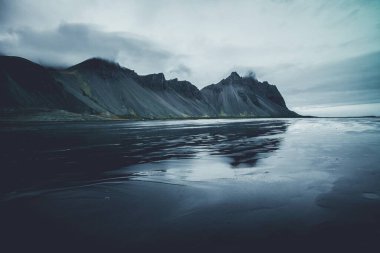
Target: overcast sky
x=324 y=56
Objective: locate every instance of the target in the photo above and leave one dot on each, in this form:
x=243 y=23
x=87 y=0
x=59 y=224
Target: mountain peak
x=234 y=75
x=160 y=76
x=98 y=60
x=232 y=78
x=154 y=81
x=96 y=63
x=157 y=77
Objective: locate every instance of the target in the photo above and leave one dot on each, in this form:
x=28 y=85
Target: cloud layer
x=72 y=43
x=317 y=52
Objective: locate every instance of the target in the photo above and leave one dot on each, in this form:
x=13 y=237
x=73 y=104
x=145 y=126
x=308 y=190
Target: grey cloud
x=251 y=74
x=336 y=98
x=4 y=10
x=282 y=1
x=352 y=80
x=71 y=43
x=181 y=71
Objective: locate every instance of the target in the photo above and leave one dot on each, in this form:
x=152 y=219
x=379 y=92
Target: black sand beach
x=191 y=186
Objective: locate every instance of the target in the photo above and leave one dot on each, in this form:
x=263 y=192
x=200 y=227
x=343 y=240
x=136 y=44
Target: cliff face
x=97 y=86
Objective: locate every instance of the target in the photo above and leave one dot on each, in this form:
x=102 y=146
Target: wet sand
x=225 y=185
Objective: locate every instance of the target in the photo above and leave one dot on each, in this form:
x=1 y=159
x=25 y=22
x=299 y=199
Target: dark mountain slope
x=107 y=87
x=246 y=96
x=101 y=87
x=26 y=85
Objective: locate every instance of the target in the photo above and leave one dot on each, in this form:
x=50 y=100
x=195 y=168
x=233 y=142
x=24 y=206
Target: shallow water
x=193 y=184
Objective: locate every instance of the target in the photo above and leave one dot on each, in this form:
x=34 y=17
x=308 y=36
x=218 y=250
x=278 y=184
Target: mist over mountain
x=104 y=88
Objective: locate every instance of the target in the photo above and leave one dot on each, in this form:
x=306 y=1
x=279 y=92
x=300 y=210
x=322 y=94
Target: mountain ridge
x=100 y=87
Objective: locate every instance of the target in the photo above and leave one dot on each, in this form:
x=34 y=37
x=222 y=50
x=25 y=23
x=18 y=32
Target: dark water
x=195 y=185
x=42 y=153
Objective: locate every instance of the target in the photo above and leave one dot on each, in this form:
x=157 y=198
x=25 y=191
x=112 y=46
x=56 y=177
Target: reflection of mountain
x=85 y=150
x=250 y=141
x=103 y=88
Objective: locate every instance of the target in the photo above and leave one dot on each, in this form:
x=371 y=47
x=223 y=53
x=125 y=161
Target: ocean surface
x=223 y=185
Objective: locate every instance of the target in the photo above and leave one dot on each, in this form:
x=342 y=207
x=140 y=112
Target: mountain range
x=100 y=88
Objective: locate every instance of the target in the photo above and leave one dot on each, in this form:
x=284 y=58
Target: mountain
x=103 y=88
x=26 y=85
x=245 y=96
